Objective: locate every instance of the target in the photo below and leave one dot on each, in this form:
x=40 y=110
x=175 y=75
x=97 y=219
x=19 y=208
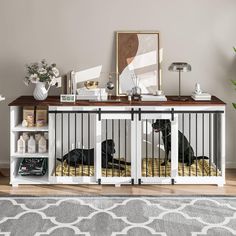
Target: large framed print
x=137 y=62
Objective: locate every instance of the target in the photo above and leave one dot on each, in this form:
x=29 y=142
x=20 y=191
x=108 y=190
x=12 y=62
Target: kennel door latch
x=139 y=114
x=172 y=114
x=99 y=114
x=132 y=114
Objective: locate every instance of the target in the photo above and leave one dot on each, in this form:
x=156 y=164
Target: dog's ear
x=165 y=122
x=155 y=124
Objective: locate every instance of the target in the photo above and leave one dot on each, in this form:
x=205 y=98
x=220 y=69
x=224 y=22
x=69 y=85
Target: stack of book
x=201 y=97
x=97 y=94
x=158 y=98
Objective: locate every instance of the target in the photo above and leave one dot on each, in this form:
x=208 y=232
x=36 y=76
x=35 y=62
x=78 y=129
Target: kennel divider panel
x=118 y=125
x=150 y=117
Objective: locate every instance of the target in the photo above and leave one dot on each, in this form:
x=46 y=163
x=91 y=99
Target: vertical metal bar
x=159 y=149
x=152 y=151
x=183 y=144
x=203 y=144
x=210 y=144
x=146 y=147
x=82 y=141
x=112 y=134
x=189 y=146
x=88 y=144
x=216 y=136
x=166 y=146
x=62 y=163
x=125 y=146
x=106 y=146
x=68 y=168
x=55 y=161
x=196 y=144
x=119 y=144
x=75 y=138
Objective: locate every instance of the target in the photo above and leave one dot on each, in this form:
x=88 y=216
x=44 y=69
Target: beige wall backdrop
x=79 y=34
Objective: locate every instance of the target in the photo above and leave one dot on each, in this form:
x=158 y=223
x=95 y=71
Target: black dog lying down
x=86 y=156
x=186 y=153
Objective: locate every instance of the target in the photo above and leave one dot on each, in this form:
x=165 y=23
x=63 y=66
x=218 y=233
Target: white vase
x=40 y=91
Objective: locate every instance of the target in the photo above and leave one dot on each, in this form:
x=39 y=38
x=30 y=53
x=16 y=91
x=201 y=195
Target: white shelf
x=20 y=128
x=30 y=155
x=30 y=179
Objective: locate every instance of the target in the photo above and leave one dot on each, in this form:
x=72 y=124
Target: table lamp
x=180 y=67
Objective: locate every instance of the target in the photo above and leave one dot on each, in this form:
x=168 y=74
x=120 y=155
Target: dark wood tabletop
x=115 y=101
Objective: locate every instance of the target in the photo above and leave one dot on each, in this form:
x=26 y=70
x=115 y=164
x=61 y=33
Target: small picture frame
x=67 y=98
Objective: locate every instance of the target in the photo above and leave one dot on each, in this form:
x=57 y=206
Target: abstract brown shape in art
x=127 y=49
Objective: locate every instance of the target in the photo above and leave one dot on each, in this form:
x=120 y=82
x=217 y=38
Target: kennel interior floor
x=157 y=190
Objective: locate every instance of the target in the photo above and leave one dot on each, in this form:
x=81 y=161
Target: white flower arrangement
x=41 y=72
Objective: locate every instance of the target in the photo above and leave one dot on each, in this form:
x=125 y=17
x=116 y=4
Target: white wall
x=79 y=34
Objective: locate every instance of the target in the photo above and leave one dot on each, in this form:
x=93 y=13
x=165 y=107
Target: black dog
x=86 y=156
x=186 y=153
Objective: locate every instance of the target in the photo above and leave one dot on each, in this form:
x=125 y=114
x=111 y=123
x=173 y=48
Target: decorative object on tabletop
x=136 y=90
x=91 y=84
x=198 y=95
x=198 y=90
x=67 y=98
x=110 y=83
x=43 y=76
x=139 y=53
x=159 y=96
x=97 y=94
x=180 y=67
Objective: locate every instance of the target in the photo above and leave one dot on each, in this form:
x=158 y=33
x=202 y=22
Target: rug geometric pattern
x=105 y=216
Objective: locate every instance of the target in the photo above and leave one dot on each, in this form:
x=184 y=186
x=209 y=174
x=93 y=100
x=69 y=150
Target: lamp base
x=182 y=99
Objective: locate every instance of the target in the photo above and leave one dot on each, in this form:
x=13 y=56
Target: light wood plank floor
x=157 y=190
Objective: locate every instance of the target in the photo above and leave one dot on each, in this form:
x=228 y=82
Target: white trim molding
x=4 y=164
x=230 y=164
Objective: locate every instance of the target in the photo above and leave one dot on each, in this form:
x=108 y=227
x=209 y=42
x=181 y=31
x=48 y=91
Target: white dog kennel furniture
x=114 y=142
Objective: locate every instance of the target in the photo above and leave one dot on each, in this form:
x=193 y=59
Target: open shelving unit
x=30 y=155
x=16 y=114
x=20 y=128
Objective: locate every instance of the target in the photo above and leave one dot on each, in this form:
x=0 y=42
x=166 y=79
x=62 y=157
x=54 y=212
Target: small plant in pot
x=234 y=82
x=43 y=76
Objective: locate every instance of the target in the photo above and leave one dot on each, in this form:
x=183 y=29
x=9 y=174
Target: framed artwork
x=137 y=62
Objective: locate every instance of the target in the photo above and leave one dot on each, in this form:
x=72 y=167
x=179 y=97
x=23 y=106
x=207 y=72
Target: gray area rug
x=103 y=216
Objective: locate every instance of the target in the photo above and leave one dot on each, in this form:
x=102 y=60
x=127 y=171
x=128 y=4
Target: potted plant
x=43 y=76
x=234 y=82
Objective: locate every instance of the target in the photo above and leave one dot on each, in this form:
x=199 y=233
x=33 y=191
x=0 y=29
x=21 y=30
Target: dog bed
x=86 y=170
x=152 y=169
x=201 y=169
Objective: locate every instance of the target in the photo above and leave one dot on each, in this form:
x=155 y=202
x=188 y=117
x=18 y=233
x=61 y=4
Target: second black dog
x=186 y=153
x=86 y=156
